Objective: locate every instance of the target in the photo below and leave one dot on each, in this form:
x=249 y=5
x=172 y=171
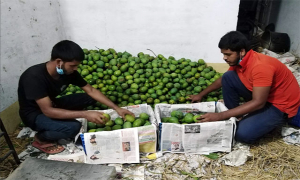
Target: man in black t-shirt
x=54 y=118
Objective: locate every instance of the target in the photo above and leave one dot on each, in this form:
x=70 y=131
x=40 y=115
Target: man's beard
x=236 y=62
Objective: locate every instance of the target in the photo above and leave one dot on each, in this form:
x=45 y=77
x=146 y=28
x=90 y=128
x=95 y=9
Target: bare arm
x=259 y=99
x=214 y=86
x=46 y=107
x=98 y=96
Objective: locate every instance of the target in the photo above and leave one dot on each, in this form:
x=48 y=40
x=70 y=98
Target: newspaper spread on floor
x=196 y=138
x=119 y=146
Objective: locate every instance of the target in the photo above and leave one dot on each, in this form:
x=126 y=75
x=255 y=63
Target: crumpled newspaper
x=129 y=171
x=178 y=166
x=188 y=166
x=291 y=135
x=237 y=157
x=26 y=132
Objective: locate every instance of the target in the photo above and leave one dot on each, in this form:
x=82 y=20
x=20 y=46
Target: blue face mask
x=240 y=60
x=59 y=70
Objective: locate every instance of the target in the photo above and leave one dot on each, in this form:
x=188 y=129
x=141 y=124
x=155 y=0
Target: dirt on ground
x=9 y=164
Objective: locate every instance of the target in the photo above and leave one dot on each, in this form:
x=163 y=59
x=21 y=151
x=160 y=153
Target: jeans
x=256 y=124
x=54 y=129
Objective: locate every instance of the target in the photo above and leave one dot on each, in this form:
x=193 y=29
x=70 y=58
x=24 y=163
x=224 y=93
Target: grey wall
x=29 y=29
x=288 y=21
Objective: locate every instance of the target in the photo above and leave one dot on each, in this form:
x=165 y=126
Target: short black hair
x=67 y=51
x=235 y=41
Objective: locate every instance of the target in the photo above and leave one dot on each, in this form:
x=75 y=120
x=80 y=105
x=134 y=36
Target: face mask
x=240 y=59
x=59 y=70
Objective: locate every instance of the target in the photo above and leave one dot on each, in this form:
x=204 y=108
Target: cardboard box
x=195 y=138
x=147 y=134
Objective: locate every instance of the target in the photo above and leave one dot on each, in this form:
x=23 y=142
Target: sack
x=276 y=42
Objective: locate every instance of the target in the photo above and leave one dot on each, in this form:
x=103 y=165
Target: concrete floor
x=33 y=168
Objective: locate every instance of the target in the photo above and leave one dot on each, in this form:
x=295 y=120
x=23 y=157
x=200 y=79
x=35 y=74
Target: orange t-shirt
x=259 y=70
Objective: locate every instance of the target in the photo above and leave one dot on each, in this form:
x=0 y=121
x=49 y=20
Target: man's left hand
x=122 y=112
x=210 y=117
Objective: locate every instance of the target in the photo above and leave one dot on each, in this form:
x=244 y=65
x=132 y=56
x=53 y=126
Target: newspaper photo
x=119 y=146
x=195 y=138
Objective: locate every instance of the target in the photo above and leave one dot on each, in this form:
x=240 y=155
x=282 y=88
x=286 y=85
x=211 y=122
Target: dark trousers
x=256 y=124
x=55 y=129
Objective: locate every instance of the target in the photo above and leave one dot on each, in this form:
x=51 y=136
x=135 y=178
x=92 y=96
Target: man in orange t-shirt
x=269 y=87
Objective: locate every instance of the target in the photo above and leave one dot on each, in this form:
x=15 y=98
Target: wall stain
x=33 y=19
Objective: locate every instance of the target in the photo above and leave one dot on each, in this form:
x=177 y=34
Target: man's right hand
x=196 y=98
x=95 y=117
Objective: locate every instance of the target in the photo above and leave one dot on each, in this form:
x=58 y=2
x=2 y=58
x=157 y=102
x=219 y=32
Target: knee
x=74 y=129
x=244 y=137
x=228 y=75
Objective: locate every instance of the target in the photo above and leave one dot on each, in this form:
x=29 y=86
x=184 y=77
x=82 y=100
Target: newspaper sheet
x=76 y=157
x=196 y=138
x=119 y=146
x=171 y=136
x=147 y=138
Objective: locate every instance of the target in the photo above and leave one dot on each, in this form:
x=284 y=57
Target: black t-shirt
x=36 y=83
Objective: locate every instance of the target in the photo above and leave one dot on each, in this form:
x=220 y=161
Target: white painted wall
x=288 y=21
x=181 y=28
x=29 y=29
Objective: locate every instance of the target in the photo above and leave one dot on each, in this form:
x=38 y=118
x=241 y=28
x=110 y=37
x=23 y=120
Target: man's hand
x=210 y=117
x=122 y=112
x=195 y=98
x=95 y=117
